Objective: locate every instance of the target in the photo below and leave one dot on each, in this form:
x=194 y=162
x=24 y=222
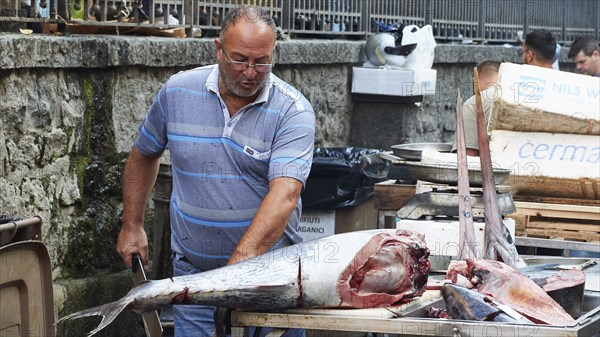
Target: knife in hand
x=151 y=320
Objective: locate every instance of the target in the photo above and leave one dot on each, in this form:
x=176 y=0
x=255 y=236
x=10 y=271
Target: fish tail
x=108 y=311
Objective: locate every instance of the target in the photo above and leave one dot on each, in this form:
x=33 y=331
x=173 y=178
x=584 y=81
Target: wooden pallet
x=557 y=221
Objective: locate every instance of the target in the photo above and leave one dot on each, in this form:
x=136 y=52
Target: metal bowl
x=413 y=151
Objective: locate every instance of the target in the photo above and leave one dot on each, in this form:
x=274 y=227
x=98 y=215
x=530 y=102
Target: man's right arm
x=138 y=180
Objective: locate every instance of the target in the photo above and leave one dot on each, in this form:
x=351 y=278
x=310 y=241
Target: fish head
x=458 y=301
x=466 y=304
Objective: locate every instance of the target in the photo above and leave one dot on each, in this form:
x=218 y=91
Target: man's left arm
x=270 y=219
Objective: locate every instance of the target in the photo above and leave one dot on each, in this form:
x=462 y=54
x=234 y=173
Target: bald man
x=488 y=76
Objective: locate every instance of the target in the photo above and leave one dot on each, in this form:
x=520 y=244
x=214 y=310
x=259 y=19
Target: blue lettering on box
x=539 y=152
x=525 y=147
x=560 y=152
x=593 y=93
x=595 y=156
x=565 y=88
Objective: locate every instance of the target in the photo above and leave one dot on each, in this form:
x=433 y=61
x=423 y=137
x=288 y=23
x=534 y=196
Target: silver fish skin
x=466 y=304
x=363 y=269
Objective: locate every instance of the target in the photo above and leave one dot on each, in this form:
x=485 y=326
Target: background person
x=488 y=76
x=585 y=52
x=241 y=143
x=539 y=48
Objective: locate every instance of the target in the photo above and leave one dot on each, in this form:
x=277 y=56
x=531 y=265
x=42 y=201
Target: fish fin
x=108 y=311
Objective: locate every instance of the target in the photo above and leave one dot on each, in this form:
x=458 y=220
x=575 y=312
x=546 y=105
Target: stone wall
x=69 y=111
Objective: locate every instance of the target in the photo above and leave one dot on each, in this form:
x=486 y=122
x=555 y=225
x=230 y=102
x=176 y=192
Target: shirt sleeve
x=152 y=136
x=292 y=149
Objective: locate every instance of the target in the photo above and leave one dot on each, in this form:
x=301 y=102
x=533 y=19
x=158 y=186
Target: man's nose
x=250 y=71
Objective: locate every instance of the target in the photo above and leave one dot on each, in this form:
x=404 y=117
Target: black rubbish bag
x=341 y=177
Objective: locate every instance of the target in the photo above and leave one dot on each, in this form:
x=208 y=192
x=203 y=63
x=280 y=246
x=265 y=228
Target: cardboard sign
x=316 y=224
x=394 y=82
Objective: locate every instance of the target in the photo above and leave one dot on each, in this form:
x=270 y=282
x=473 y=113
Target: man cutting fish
x=240 y=142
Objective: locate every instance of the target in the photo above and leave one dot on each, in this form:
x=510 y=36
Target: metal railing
x=452 y=20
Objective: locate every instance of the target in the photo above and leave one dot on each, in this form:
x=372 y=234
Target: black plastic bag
x=341 y=177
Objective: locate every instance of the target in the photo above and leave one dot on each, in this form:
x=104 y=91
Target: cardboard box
x=549 y=165
x=393 y=82
x=318 y=224
x=535 y=99
x=442 y=237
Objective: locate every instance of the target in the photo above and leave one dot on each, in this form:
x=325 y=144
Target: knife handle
x=134 y=262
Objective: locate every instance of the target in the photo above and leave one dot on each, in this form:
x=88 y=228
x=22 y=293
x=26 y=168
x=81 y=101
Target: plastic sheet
x=341 y=177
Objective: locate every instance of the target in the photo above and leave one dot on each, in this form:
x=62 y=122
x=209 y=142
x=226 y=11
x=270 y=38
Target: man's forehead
x=580 y=56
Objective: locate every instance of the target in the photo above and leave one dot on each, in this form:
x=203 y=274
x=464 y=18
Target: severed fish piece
x=567 y=288
x=463 y=303
x=363 y=269
x=509 y=287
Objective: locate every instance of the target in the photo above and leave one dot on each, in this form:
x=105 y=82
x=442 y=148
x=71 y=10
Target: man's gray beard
x=231 y=87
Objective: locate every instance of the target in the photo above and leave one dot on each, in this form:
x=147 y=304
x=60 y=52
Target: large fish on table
x=509 y=287
x=364 y=269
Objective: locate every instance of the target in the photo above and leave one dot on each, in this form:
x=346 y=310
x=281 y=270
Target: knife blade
x=151 y=320
x=509 y=311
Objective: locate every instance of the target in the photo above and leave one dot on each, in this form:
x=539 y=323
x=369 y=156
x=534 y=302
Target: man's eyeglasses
x=242 y=66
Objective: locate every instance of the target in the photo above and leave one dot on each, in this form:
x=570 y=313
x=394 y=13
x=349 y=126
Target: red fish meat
x=509 y=287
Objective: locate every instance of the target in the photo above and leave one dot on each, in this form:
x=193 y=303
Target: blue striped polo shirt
x=222 y=166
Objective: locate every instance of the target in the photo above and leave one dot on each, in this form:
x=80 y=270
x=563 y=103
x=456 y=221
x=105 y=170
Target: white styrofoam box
x=442 y=237
x=393 y=82
x=552 y=155
x=536 y=99
x=316 y=224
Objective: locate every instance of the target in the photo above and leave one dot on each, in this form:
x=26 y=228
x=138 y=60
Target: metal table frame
x=408 y=326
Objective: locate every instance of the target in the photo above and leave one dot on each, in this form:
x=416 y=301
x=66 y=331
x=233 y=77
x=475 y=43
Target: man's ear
x=530 y=57
x=596 y=53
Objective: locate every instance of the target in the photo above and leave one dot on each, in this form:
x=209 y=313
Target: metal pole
x=189 y=14
x=61 y=9
x=481 y=21
x=286 y=16
x=365 y=18
x=428 y=12
x=525 y=15
x=14 y=225
x=596 y=23
x=564 y=20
